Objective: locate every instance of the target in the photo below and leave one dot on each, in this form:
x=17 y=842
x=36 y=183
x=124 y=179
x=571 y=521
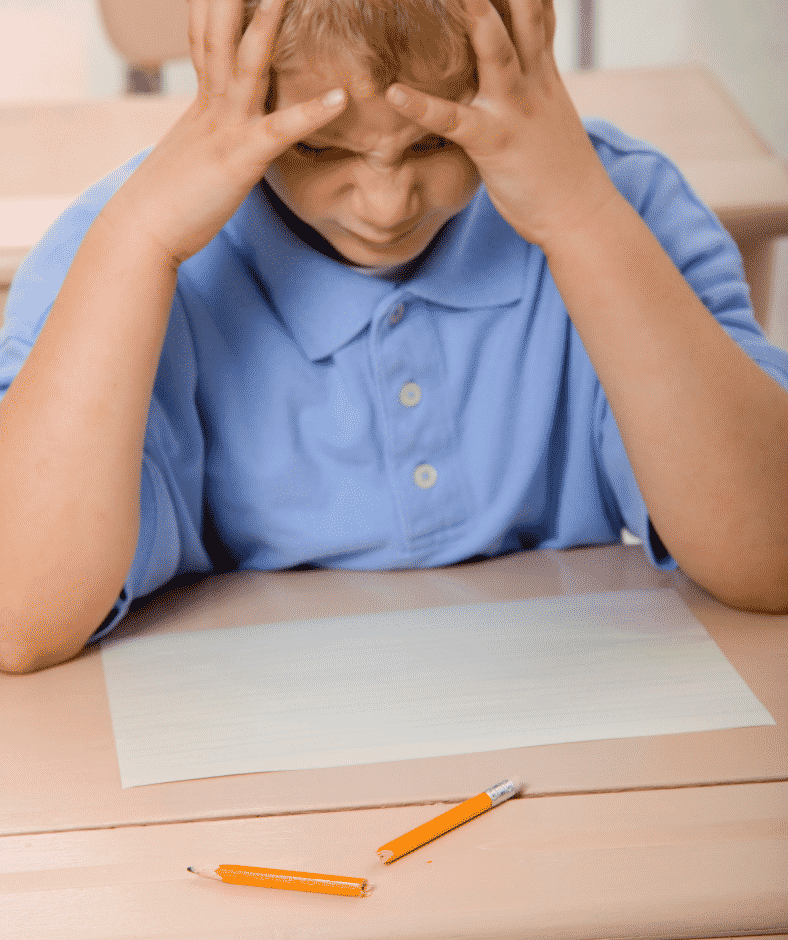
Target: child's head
x=376 y=177
x=378 y=34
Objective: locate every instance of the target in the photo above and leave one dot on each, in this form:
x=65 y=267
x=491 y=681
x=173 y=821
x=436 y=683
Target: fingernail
x=397 y=96
x=333 y=98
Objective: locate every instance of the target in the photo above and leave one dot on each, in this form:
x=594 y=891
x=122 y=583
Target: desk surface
x=706 y=862
x=56 y=151
x=669 y=836
x=65 y=774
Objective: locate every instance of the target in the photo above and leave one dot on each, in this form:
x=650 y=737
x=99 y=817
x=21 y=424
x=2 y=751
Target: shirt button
x=396 y=314
x=410 y=394
x=425 y=476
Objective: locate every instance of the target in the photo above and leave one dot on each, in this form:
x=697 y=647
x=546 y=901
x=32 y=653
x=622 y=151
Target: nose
x=385 y=197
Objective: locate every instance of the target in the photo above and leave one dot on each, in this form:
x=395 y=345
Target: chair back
x=147 y=33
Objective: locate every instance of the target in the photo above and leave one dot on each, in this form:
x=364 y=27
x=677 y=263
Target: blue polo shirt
x=305 y=412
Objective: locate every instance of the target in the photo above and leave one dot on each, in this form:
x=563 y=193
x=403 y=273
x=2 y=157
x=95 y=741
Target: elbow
x=761 y=605
x=753 y=579
x=759 y=595
x=18 y=660
x=15 y=664
x=35 y=635
x=31 y=647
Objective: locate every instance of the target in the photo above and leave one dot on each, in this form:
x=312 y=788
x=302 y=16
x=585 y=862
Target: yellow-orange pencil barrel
x=449 y=820
x=286 y=880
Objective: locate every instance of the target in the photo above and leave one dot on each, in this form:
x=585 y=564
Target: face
x=371 y=182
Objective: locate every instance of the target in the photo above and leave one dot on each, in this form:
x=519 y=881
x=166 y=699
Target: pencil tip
x=191 y=870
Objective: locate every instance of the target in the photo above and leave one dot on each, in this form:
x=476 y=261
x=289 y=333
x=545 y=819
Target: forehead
x=299 y=80
x=367 y=115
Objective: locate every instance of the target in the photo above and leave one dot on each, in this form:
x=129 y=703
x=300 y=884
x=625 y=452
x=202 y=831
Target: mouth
x=384 y=242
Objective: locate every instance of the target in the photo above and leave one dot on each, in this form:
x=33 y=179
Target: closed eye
x=312 y=151
x=425 y=145
x=431 y=142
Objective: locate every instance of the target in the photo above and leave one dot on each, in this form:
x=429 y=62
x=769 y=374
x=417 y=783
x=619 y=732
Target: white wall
x=745 y=42
x=633 y=33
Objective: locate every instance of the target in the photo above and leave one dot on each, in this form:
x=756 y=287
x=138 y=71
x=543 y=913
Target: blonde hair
x=378 y=34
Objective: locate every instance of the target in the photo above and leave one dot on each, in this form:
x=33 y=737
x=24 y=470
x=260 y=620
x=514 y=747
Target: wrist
x=595 y=213
x=127 y=232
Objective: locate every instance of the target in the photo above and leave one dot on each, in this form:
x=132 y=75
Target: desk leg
x=758 y=257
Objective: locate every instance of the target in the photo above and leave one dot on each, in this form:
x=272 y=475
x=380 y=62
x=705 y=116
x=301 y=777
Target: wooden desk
x=52 y=153
x=667 y=836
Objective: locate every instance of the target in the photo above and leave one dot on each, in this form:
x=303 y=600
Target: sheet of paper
x=341 y=691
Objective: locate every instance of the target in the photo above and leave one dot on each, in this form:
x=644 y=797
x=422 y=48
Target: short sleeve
x=171 y=486
x=169 y=541
x=710 y=261
x=628 y=506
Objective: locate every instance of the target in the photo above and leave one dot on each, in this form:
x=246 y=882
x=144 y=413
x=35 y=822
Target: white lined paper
x=344 y=691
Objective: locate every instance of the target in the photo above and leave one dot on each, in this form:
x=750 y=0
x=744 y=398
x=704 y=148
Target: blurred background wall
x=56 y=49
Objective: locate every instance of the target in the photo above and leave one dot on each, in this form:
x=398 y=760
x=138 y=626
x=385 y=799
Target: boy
x=300 y=331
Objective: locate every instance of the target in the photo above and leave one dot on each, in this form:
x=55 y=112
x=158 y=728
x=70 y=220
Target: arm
x=72 y=424
x=71 y=432
x=705 y=429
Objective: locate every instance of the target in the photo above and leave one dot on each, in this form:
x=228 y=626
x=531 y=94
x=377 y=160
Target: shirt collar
x=477 y=260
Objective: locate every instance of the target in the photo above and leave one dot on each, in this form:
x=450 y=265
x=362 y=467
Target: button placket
x=418 y=431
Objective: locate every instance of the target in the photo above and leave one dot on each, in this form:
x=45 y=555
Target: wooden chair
x=147 y=33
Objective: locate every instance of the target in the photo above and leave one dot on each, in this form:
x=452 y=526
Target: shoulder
x=614 y=145
x=642 y=173
x=79 y=215
x=39 y=277
x=656 y=188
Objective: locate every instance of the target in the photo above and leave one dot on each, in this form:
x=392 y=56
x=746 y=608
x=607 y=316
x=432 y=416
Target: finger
x=456 y=122
x=497 y=60
x=549 y=13
x=198 y=21
x=281 y=129
x=531 y=21
x=254 y=53
x=221 y=40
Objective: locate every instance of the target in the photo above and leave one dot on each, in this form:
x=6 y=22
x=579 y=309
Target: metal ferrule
x=502 y=791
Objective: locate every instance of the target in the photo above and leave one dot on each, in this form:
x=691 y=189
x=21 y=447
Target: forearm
x=72 y=427
x=705 y=429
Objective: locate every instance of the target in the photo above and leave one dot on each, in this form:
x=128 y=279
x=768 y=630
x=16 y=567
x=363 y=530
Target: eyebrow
x=336 y=142
x=315 y=139
x=320 y=141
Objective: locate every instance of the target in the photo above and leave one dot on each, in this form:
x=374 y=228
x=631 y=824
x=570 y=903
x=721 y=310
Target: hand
x=521 y=129
x=194 y=180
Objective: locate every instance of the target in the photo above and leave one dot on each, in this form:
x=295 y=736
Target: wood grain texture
x=675 y=863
